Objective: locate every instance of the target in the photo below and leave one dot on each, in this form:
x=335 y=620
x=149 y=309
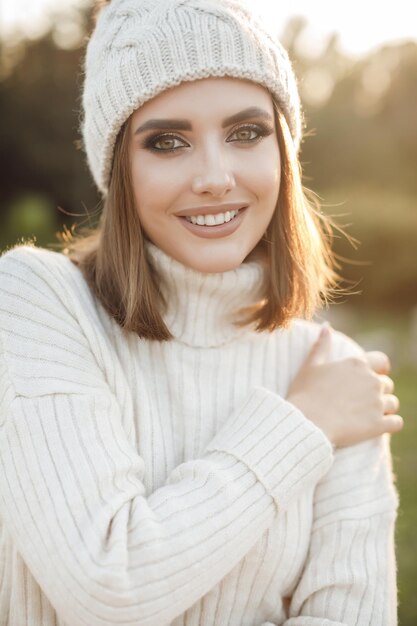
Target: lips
x=222 y=230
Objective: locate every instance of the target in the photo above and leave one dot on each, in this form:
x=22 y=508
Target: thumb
x=320 y=351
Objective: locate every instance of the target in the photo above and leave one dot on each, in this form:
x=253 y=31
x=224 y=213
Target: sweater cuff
x=286 y=451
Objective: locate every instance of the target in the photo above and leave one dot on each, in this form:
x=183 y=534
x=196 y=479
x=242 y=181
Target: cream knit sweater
x=154 y=484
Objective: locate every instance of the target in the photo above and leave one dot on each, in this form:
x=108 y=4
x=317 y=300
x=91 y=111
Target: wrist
x=306 y=406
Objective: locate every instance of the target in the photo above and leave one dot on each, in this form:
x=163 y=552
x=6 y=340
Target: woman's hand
x=350 y=400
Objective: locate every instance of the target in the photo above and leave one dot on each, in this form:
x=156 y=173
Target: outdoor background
x=357 y=70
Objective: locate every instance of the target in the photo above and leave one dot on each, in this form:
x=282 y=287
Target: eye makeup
x=150 y=142
x=262 y=130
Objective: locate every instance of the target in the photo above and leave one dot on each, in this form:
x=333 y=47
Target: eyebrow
x=172 y=124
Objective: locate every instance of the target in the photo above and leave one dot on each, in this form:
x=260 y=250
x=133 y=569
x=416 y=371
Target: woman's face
x=206 y=170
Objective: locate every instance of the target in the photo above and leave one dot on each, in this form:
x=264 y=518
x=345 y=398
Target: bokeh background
x=357 y=70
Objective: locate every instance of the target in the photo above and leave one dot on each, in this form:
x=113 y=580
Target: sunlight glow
x=361 y=26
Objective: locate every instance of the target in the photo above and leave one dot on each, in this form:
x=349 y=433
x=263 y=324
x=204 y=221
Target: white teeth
x=212 y=220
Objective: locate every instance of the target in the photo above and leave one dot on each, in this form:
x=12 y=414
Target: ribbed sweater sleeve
x=349 y=577
x=71 y=486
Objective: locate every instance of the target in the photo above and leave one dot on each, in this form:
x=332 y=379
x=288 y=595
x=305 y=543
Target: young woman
x=177 y=446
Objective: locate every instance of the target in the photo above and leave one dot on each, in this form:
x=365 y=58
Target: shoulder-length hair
x=300 y=266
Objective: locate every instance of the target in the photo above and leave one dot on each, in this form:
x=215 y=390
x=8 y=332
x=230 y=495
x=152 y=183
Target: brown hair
x=296 y=248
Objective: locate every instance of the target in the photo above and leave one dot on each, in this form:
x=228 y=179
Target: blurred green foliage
x=403 y=447
x=31 y=215
x=360 y=155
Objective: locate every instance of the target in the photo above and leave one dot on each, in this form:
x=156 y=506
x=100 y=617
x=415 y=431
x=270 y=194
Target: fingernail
x=399 y=422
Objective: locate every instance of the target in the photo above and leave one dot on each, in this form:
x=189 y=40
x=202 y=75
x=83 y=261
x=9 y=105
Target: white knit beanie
x=139 y=48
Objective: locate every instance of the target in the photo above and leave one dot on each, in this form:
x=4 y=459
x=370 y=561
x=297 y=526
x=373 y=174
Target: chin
x=217 y=268
x=214 y=263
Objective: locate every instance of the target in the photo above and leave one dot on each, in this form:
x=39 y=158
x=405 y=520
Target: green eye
x=250 y=133
x=246 y=134
x=166 y=144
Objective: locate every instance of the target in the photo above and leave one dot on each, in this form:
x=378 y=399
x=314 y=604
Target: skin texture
x=210 y=165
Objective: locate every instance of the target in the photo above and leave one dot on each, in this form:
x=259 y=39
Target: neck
x=201 y=309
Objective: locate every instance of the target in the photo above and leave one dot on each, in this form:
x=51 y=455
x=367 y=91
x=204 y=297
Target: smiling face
x=205 y=168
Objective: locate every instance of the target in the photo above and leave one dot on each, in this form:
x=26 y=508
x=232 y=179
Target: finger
x=387 y=384
x=378 y=361
x=391 y=403
x=392 y=424
x=320 y=352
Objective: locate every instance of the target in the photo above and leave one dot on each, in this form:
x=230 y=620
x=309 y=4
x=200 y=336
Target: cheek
x=262 y=172
x=154 y=187
x=264 y=182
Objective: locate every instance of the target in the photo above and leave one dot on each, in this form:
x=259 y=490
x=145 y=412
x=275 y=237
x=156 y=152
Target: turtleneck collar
x=200 y=306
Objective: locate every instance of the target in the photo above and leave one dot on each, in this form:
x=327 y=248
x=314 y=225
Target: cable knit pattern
x=140 y=48
x=155 y=484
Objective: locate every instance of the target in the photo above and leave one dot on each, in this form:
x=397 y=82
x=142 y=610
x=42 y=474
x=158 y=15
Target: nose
x=215 y=176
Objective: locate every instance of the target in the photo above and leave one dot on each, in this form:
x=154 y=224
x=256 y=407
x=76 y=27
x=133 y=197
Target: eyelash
x=262 y=130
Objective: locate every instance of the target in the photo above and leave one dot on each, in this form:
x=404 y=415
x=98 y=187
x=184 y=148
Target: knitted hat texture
x=140 y=48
